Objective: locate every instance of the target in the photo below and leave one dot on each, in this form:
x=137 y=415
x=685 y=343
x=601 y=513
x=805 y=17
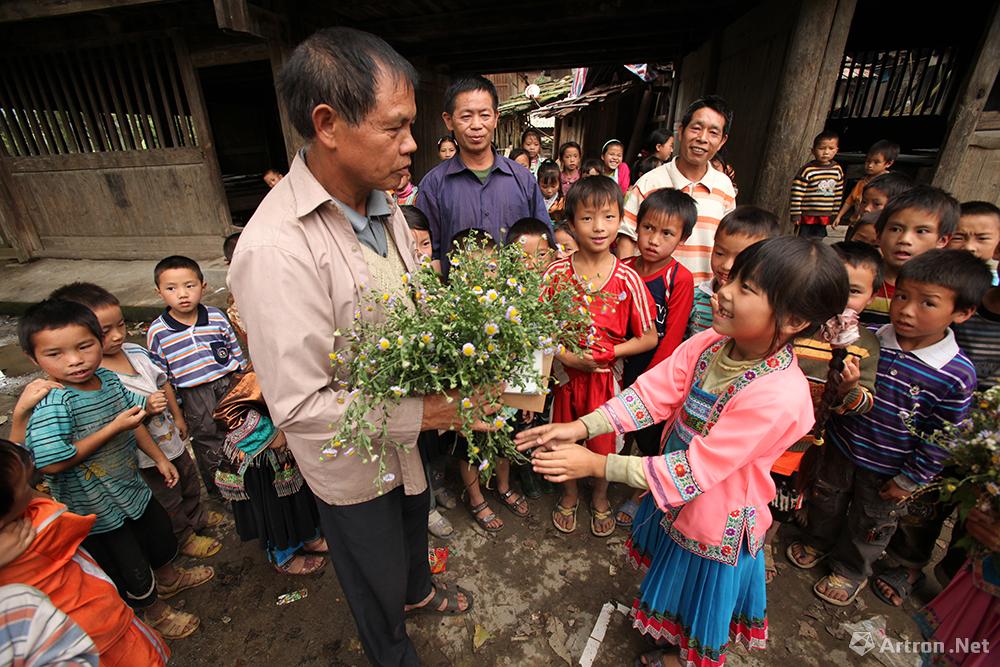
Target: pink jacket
x=718 y=489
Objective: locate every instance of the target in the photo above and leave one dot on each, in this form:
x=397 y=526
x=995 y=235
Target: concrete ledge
x=131 y=281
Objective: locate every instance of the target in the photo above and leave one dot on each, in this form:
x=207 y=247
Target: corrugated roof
x=550 y=91
x=563 y=108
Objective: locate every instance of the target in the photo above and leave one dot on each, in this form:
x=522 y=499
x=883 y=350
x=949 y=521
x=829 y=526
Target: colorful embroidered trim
x=752 y=633
x=636 y=409
x=738 y=523
x=681 y=475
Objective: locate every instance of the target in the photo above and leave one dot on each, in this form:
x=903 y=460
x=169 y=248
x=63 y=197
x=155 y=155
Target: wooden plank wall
x=978 y=175
x=429 y=126
x=744 y=66
x=120 y=205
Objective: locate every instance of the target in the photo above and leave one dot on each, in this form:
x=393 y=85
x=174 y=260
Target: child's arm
x=234 y=347
x=857 y=389
x=34 y=392
x=679 y=305
x=150 y=449
x=637 y=344
x=838 y=190
x=50 y=429
x=175 y=410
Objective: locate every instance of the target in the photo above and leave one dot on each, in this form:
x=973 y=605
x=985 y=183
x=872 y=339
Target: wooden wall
x=120 y=205
x=978 y=175
x=429 y=126
x=743 y=63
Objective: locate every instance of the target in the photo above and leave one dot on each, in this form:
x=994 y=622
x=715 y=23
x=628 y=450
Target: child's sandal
x=174 y=624
x=569 y=512
x=199 y=546
x=795 y=552
x=214 y=519
x=484 y=522
x=189 y=578
x=770 y=569
x=835 y=582
x=306 y=565
x=597 y=515
x=518 y=507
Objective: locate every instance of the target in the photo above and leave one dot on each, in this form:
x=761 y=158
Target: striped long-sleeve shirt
x=933 y=384
x=198 y=354
x=34 y=632
x=817 y=190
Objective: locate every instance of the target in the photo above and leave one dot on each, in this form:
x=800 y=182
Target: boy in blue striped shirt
x=872 y=463
x=198 y=350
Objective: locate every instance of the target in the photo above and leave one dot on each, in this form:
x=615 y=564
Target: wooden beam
x=203 y=129
x=15 y=223
x=815 y=50
x=969 y=104
x=22 y=10
x=240 y=16
x=279 y=52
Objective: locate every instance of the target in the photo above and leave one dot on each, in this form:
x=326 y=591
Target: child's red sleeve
x=642 y=312
x=679 y=304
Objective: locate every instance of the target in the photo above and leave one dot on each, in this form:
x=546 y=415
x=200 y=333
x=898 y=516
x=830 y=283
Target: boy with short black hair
x=978 y=231
x=881 y=156
x=229 y=246
x=913 y=222
x=874 y=461
x=738 y=230
x=817 y=188
x=880 y=190
x=197 y=348
x=83 y=436
x=136 y=370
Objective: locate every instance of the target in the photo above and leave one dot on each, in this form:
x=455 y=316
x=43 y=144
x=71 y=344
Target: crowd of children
x=764 y=386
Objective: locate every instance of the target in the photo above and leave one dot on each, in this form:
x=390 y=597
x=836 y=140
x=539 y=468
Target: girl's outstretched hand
x=563 y=462
x=551 y=434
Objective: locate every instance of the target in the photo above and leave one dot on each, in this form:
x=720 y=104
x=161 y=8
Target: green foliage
x=468 y=338
x=972 y=472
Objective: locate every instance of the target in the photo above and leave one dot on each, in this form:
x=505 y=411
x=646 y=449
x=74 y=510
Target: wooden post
x=15 y=221
x=969 y=105
x=812 y=62
x=635 y=141
x=203 y=128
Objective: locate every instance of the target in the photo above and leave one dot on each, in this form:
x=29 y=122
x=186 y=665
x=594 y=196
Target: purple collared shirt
x=454 y=199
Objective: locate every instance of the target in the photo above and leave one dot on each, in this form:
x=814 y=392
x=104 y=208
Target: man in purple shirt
x=478 y=188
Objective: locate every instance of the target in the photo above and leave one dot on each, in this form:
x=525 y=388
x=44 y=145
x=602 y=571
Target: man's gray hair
x=339 y=67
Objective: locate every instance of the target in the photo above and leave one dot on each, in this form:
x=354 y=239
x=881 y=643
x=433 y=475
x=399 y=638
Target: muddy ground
x=538 y=595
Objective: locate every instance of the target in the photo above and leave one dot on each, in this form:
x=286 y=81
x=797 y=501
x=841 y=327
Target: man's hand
x=561 y=463
x=279 y=441
x=128 y=420
x=441 y=413
x=156 y=403
x=892 y=491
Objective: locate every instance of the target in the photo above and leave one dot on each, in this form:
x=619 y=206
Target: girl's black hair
x=657 y=137
x=515 y=152
x=548 y=171
x=646 y=165
x=14 y=460
x=802 y=278
x=592 y=163
x=608 y=144
x=449 y=138
x=528 y=132
x=567 y=145
x=415 y=218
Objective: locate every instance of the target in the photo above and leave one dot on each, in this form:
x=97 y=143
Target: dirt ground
x=538 y=594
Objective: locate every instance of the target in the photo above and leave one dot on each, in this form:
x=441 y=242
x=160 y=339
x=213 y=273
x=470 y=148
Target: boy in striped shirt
x=818 y=188
x=873 y=463
x=198 y=350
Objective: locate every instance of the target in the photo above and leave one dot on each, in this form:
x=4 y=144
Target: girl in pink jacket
x=734 y=400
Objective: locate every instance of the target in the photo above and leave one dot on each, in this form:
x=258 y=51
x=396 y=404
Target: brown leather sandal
x=484 y=522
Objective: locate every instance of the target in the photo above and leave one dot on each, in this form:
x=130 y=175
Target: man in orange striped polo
x=704 y=130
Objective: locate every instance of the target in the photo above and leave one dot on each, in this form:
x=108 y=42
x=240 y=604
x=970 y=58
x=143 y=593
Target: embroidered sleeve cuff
x=627 y=470
x=597 y=424
x=682 y=476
